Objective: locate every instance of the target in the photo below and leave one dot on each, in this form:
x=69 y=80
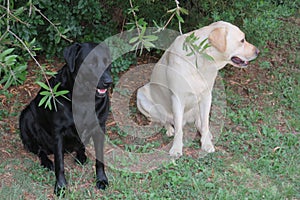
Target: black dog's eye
x=243 y=40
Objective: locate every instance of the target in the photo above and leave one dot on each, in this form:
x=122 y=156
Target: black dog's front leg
x=61 y=182
x=45 y=161
x=101 y=179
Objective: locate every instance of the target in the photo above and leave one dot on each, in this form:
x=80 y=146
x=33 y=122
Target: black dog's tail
x=27 y=138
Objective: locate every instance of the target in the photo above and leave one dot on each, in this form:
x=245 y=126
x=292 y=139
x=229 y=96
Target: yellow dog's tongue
x=101 y=91
x=239 y=61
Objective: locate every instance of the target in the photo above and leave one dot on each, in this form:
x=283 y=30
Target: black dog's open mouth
x=101 y=92
x=236 y=60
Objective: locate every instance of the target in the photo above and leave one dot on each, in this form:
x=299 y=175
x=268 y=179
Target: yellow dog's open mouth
x=242 y=63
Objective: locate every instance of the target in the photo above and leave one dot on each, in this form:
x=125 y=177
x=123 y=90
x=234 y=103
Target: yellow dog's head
x=230 y=41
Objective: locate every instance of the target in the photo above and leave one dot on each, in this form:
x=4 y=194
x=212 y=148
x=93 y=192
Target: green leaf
x=10 y=60
x=57 y=38
x=143 y=30
x=6 y=52
x=65 y=31
x=56 y=87
x=21 y=68
x=148 y=44
x=184 y=47
x=36 y=48
x=184 y=11
x=180 y=19
x=206 y=46
x=48 y=103
x=60 y=93
x=50 y=73
x=201 y=43
x=189 y=54
x=80 y=4
x=8 y=82
x=134 y=39
x=135 y=9
x=19 y=11
x=43 y=85
x=151 y=38
x=45 y=93
x=32 y=42
x=4 y=79
x=141 y=49
x=135 y=46
x=208 y=57
x=42 y=101
x=156 y=25
x=172 y=10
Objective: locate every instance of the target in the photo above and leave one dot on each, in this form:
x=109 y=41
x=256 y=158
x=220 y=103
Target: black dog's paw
x=48 y=164
x=102 y=184
x=81 y=158
x=60 y=188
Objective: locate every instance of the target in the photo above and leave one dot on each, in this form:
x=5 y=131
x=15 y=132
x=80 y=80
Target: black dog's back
x=36 y=122
x=36 y=131
x=26 y=128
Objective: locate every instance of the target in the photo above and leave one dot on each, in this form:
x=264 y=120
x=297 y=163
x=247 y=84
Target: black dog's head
x=86 y=62
x=104 y=83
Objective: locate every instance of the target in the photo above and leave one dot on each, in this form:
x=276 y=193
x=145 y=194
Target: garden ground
x=257 y=153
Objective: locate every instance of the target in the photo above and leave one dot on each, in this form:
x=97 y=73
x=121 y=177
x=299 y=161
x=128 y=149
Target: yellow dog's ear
x=217 y=38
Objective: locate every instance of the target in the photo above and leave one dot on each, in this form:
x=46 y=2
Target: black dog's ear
x=70 y=55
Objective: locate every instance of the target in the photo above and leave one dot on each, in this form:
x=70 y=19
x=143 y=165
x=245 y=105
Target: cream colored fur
x=180 y=89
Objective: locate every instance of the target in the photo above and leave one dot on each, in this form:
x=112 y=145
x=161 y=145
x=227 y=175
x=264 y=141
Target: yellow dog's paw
x=170 y=131
x=209 y=147
x=176 y=151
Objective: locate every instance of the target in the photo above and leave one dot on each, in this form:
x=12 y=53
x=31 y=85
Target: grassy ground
x=257 y=155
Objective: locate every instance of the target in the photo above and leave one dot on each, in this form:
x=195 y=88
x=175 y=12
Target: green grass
x=257 y=155
x=270 y=175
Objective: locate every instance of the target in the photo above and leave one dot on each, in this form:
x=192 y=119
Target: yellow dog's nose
x=257 y=51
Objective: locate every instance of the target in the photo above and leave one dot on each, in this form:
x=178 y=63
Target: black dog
x=45 y=131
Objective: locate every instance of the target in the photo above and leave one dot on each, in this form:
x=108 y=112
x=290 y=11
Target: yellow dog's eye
x=243 y=40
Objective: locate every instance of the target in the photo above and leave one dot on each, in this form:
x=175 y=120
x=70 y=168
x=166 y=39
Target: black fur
x=45 y=131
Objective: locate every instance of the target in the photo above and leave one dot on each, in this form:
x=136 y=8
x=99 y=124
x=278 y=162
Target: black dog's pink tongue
x=101 y=91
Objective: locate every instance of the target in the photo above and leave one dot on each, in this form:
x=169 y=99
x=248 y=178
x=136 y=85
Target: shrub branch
x=9 y=15
x=51 y=23
x=35 y=60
